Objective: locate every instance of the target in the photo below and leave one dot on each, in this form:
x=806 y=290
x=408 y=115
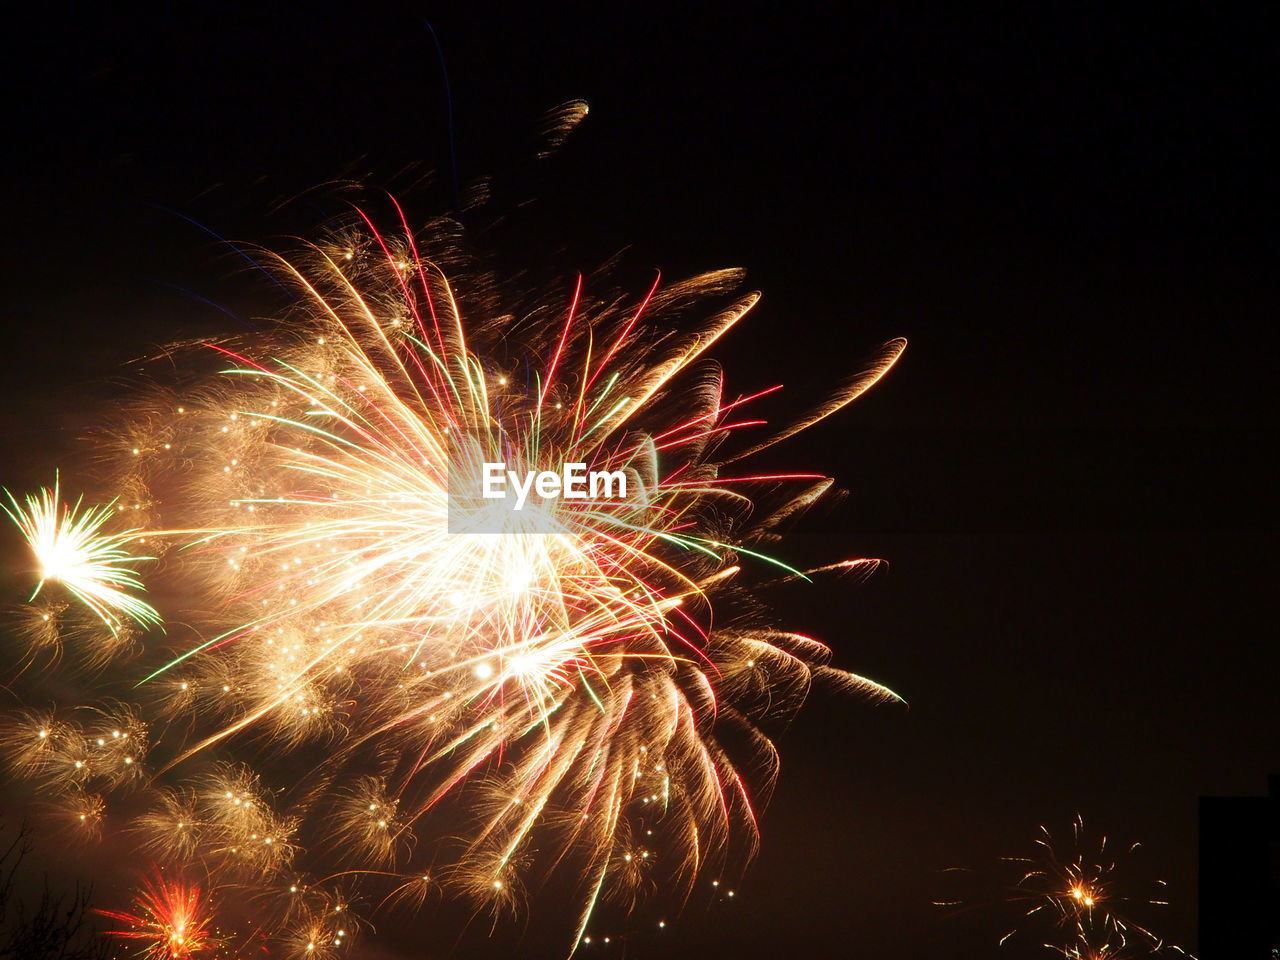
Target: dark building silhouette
x=1240 y=876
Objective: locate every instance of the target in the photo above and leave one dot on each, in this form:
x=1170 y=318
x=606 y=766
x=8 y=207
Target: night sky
x=1067 y=209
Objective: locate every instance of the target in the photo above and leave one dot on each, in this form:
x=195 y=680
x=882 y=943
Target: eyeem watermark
x=573 y=482
x=493 y=491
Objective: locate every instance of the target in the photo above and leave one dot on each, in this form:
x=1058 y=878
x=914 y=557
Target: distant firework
x=1082 y=898
x=358 y=704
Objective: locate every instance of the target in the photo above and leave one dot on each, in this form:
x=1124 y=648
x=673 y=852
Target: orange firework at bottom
x=171 y=919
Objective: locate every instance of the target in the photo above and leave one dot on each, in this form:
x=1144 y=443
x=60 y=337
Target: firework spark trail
x=585 y=687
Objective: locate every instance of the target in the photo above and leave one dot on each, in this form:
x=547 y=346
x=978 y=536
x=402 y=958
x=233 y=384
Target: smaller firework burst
x=1082 y=899
x=73 y=547
x=171 y=919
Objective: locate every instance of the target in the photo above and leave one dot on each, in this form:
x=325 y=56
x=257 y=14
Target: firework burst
x=1081 y=896
x=380 y=683
x=73 y=547
x=171 y=919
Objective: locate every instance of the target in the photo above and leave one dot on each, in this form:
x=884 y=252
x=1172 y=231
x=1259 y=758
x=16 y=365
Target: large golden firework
x=380 y=686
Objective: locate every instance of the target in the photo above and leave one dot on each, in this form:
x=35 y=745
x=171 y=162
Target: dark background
x=1066 y=208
